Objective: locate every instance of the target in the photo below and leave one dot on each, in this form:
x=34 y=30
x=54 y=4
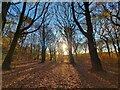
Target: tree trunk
x=118 y=47
x=113 y=43
x=31 y=49
x=70 y=52
x=7 y=61
x=54 y=53
x=43 y=46
x=108 y=48
x=75 y=51
x=43 y=54
x=96 y=64
x=51 y=55
x=117 y=43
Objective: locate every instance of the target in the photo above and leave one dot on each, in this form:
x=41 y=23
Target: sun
x=65 y=53
x=64 y=46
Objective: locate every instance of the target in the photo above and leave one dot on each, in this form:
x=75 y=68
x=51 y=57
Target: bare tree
x=66 y=25
x=96 y=64
x=22 y=29
x=113 y=12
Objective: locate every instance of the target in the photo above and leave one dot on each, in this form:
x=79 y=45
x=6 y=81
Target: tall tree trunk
x=96 y=64
x=113 y=43
x=117 y=42
x=31 y=48
x=118 y=46
x=54 y=53
x=51 y=55
x=107 y=48
x=43 y=46
x=43 y=54
x=70 y=52
x=7 y=61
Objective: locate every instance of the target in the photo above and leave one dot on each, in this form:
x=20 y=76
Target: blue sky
x=53 y=21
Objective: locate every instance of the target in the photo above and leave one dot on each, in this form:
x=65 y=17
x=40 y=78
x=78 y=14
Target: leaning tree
x=24 y=27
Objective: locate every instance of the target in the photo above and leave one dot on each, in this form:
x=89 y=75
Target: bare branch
x=34 y=19
x=81 y=6
x=76 y=21
x=43 y=20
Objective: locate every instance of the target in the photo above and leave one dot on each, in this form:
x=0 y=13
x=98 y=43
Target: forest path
x=57 y=75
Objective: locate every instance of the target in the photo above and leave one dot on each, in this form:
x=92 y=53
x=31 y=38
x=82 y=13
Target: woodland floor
x=51 y=75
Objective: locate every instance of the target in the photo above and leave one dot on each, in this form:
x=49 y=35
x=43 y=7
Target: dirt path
x=57 y=75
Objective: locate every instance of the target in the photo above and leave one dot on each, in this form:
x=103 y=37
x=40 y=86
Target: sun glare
x=65 y=53
x=64 y=46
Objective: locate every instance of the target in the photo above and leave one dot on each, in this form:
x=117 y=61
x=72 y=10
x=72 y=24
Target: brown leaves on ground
x=58 y=75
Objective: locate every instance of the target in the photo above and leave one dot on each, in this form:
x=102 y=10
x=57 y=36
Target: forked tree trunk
x=95 y=61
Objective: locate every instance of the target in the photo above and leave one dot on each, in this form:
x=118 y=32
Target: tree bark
x=95 y=61
x=43 y=46
x=107 y=45
x=108 y=48
x=31 y=49
x=51 y=55
x=118 y=46
x=70 y=50
x=54 y=53
x=43 y=54
x=113 y=43
x=7 y=61
x=117 y=42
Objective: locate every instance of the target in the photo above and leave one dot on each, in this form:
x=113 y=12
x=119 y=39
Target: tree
x=114 y=18
x=6 y=7
x=44 y=32
x=51 y=44
x=96 y=64
x=22 y=29
x=104 y=36
x=113 y=15
x=108 y=21
x=66 y=26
